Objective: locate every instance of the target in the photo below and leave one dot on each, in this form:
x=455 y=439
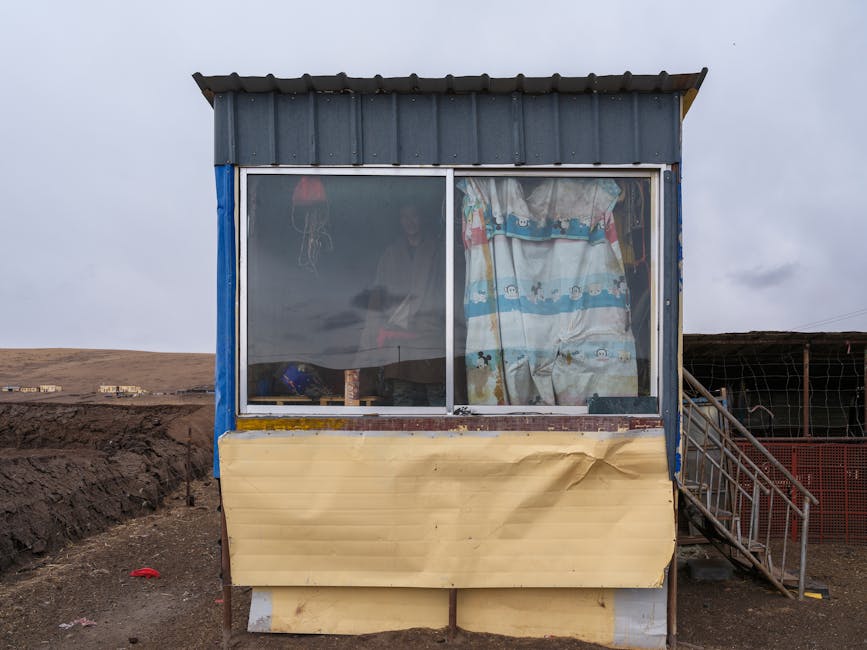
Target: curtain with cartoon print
x=546 y=301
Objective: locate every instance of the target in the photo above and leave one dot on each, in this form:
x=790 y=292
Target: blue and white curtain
x=546 y=300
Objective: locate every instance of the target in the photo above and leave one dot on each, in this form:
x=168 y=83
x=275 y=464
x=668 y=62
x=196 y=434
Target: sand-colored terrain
x=80 y=373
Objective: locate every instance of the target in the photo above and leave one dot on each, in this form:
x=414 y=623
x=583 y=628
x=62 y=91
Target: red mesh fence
x=836 y=474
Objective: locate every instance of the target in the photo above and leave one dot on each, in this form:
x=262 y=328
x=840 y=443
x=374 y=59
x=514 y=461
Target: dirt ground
x=90 y=579
x=90 y=492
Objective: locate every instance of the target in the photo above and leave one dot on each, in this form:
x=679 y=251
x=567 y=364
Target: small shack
x=449 y=338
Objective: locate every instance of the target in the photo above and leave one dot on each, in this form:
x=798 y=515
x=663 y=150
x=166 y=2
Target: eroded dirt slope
x=67 y=471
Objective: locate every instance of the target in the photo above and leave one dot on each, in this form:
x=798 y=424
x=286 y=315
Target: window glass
x=552 y=289
x=345 y=290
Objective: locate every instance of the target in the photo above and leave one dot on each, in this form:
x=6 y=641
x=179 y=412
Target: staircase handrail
x=755 y=472
x=695 y=384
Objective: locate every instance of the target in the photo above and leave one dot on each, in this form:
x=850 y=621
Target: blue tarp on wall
x=224 y=380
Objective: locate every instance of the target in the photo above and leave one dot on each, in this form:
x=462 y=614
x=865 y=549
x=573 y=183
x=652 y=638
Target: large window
x=437 y=290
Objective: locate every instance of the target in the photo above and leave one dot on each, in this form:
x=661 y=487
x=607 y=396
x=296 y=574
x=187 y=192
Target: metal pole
x=672 y=580
x=864 y=421
x=806 y=387
x=805 y=530
x=453 y=613
x=225 y=573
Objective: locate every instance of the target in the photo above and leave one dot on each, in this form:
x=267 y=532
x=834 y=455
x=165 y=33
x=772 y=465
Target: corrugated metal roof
x=688 y=83
x=698 y=344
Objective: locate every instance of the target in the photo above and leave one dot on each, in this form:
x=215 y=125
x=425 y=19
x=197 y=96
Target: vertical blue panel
x=224 y=380
x=671 y=319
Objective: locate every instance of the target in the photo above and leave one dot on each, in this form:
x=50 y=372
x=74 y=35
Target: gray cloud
x=765 y=277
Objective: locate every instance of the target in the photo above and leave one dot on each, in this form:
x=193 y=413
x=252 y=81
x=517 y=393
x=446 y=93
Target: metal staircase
x=733 y=501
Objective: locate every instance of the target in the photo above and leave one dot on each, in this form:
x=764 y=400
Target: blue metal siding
x=441 y=129
x=669 y=364
x=224 y=372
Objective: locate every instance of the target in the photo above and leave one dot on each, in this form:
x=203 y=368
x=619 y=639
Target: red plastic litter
x=145 y=572
x=218 y=601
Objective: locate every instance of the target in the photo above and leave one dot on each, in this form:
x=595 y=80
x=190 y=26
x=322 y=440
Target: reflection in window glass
x=555 y=289
x=345 y=290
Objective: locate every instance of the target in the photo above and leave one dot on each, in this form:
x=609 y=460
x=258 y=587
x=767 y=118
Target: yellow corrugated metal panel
x=587 y=614
x=507 y=509
x=355 y=610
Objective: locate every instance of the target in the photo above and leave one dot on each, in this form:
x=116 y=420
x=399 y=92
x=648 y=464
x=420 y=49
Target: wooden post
x=225 y=573
x=806 y=387
x=350 y=388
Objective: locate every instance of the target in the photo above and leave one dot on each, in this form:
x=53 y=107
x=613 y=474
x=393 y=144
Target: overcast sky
x=106 y=168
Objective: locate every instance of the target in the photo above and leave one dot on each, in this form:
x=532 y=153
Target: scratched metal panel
x=495 y=128
x=616 y=129
x=333 y=129
x=417 y=130
x=256 y=135
x=576 y=128
x=292 y=129
x=457 y=133
x=377 y=129
x=468 y=129
x=659 y=127
x=542 y=136
x=224 y=129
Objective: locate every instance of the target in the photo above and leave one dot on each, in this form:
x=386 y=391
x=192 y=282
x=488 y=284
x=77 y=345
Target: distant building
x=50 y=388
x=122 y=389
x=11 y=389
x=29 y=389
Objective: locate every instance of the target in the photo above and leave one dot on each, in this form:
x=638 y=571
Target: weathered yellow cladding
x=588 y=614
x=355 y=610
x=439 y=510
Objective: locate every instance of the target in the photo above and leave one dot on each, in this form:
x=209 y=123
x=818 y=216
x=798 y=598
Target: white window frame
x=450 y=174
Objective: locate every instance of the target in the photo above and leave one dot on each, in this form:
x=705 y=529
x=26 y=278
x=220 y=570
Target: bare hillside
x=81 y=372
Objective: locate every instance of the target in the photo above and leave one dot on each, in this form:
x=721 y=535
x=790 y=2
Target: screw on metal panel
x=416 y=154
x=374 y=155
x=252 y=99
x=331 y=155
x=412 y=100
x=668 y=302
x=573 y=153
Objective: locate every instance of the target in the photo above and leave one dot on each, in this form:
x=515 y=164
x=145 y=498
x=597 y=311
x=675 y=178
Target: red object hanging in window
x=309 y=191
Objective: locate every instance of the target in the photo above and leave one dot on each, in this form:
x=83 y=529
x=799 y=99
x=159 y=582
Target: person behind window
x=405 y=322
